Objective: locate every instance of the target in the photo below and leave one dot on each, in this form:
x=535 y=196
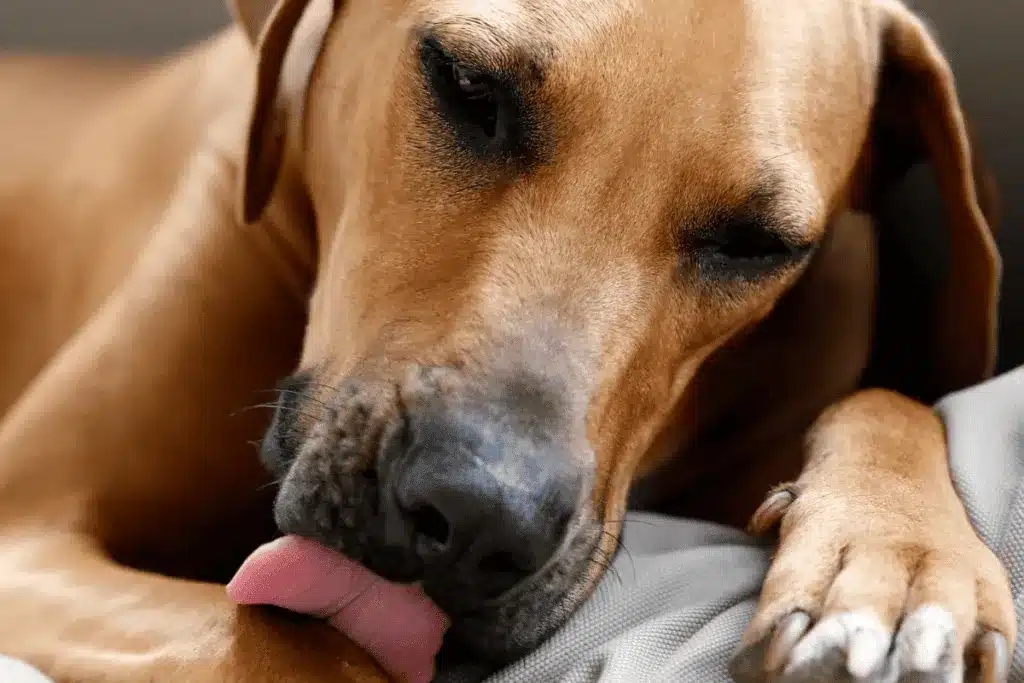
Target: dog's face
x=535 y=220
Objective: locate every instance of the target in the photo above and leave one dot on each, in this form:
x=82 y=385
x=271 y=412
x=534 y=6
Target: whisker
x=631 y=521
x=301 y=394
x=780 y=156
x=329 y=387
x=270 y=484
x=274 y=406
x=608 y=569
x=629 y=555
x=619 y=545
x=605 y=556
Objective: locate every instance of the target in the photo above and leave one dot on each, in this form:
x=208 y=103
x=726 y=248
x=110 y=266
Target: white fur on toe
x=861 y=635
x=926 y=643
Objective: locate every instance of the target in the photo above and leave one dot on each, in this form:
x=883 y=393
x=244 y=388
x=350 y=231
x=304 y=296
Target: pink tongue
x=398 y=625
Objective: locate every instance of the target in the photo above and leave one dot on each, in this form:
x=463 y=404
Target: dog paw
x=859 y=595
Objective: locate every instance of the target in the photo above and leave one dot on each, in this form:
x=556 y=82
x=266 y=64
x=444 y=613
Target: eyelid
x=744 y=248
x=795 y=242
x=793 y=237
x=752 y=222
x=464 y=55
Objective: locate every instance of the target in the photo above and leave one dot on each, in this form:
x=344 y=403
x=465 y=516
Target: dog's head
x=535 y=219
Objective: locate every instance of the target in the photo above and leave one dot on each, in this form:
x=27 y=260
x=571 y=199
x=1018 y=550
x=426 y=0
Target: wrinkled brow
x=486 y=31
x=788 y=199
x=476 y=43
x=534 y=32
x=775 y=203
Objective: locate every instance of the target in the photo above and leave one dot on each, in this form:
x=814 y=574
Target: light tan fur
x=178 y=236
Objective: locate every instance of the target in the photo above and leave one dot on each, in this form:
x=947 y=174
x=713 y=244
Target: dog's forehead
x=778 y=33
x=809 y=78
x=769 y=82
x=538 y=25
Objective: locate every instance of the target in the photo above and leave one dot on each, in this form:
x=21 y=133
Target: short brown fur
x=143 y=312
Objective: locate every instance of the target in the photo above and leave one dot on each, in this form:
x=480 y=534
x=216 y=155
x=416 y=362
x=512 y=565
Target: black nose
x=483 y=505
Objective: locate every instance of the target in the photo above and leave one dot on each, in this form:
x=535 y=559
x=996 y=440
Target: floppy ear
x=936 y=333
x=251 y=16
x=283 y=68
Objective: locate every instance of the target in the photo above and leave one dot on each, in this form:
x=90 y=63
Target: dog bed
x=678 y=598
x=677 y=603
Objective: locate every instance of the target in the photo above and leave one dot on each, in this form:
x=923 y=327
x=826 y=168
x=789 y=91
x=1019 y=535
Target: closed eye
x=744 y=248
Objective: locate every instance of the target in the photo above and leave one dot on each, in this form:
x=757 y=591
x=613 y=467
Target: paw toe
x=769 y=654
x=926 y=647
x=992 y=659
x=843 y=645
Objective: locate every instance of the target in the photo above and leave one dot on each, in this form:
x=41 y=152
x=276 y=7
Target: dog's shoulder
x=95 y=152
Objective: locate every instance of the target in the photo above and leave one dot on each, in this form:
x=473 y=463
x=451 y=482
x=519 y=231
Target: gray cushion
x=678 y=601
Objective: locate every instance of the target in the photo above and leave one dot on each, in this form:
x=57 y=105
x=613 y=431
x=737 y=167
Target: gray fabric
x=672 y=610
x=675 y=606
x=985 y=427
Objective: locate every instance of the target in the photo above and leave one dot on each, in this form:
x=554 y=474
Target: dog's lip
x=501 y=601
x=574 y=533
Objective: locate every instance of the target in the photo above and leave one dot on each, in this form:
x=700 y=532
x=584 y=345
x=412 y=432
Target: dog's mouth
x=337 y=467
x=502 y=630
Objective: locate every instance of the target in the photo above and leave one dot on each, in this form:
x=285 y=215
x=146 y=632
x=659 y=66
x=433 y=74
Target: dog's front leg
x=130 y=449
x=80 y=618
x=879 y=575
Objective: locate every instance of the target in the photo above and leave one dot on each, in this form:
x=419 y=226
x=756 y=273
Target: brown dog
x=524 y=253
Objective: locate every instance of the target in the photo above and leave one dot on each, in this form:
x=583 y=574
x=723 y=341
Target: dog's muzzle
x=477 y=494
x=476 y=502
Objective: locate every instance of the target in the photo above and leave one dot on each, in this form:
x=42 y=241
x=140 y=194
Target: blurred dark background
x=137 y=27
x=983 y=39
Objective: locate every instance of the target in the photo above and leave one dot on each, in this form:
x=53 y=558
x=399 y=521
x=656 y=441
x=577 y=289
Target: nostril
x=433 y=532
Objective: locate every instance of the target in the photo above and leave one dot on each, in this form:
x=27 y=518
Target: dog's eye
x=744 y=249
x=479 y=106
x=478 y=98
